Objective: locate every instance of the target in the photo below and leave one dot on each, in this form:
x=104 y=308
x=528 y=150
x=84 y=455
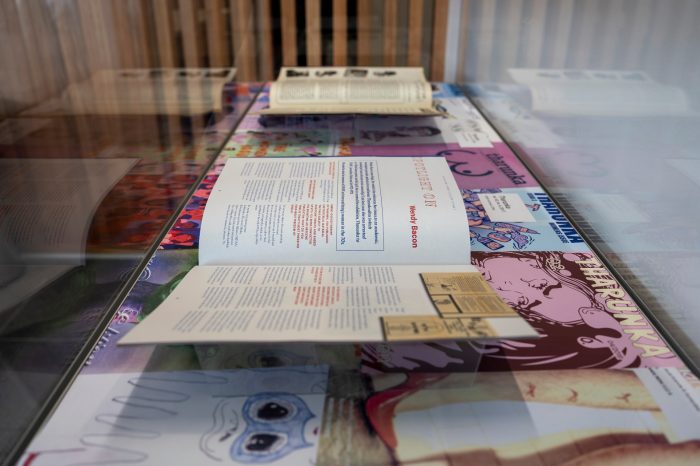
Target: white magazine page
x=287 y=303
x=357 y=210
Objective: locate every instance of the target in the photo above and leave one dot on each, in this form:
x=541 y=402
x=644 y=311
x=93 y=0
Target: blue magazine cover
x=518 y=219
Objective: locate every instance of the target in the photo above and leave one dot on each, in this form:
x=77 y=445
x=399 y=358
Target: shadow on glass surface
x=96 y=156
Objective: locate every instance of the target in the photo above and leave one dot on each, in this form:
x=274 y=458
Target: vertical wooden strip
x=437 y=53
x=68 y=32
x=615 y=22
x=265 y=41
x=415 y=32
x=143 y=17
x=19 y=84
x=391 y=10
x=288 y=21
x=340 y=32
x=658 y=47
x=464 y=28
x=217 y=44
x=165 y=34
x=313 y=32
x=485 y=42
x=581 y=55
x=44 y=62
x=511 y=36
x=120 y=16
x=244 y=45
x=681 y=61
x=535 y=36
x=642 y=21
x=191 y=44
x=364 y=21
x=562 y=35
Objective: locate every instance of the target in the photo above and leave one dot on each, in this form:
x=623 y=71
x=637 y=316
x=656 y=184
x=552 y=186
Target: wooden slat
x=535 y=36
x=44 y=62
x=562 y=33
x=415 y=32
x=642 y=21
x=120 y=17
x=191 y=43
x=288 y=21
x=364 y=21
x=580 y=56
x=265 y=40
x=437 y=52
x=243 y=41
x=340 y=32
x=657 y=47
x=217 y=43
x=615 y=21
x=165 y=34
x=485 y=41
x=511 y=15
x=462 y=58
x=313 y=32
x=67 y=21
x=17 y=84
x=143 y=30
x=681 y=56
x=391 y=11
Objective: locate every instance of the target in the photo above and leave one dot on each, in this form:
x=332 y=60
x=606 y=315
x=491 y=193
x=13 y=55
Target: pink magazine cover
x=584 y=317
x=473 y=168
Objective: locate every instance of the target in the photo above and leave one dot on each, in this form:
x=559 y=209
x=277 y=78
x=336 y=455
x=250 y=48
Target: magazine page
x=329 y=304
x=359 y=210
x=351 y=90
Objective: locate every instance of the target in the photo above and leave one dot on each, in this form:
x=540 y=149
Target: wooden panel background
x=52 y=43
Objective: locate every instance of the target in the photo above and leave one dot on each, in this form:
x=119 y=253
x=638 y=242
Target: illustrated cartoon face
x=525 y=285
x=270 y=426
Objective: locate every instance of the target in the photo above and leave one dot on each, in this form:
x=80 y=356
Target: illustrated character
x=190 y=417
x=550 y=291
x=270 y=426
x=494 y=235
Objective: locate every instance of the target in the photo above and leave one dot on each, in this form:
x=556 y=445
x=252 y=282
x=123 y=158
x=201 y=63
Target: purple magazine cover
x=476 y=168
x=584 y=317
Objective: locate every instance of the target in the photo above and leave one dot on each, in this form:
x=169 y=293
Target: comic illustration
x=518 y=219
x=254 y=416
x=583 y=315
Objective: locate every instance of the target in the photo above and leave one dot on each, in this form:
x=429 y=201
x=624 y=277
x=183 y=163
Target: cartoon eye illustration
x=264 y=443
x=273 y=411
x=275 y=424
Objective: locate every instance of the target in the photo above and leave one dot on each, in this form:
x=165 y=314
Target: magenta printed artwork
x=473 y=168
x=584 y=317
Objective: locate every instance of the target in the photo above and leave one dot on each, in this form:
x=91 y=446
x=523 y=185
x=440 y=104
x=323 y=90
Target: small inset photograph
x=325 y=73
x=384 y=73
x=356 y=73
x=292 y=73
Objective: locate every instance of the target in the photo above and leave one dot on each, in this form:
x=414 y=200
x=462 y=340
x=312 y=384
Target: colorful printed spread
x=587 y=389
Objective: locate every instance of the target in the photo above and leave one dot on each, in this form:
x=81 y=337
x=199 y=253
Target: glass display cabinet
x=117 y=118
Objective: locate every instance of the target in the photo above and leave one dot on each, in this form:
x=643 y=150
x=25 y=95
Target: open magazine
x=372 y=90
x=325 y=249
